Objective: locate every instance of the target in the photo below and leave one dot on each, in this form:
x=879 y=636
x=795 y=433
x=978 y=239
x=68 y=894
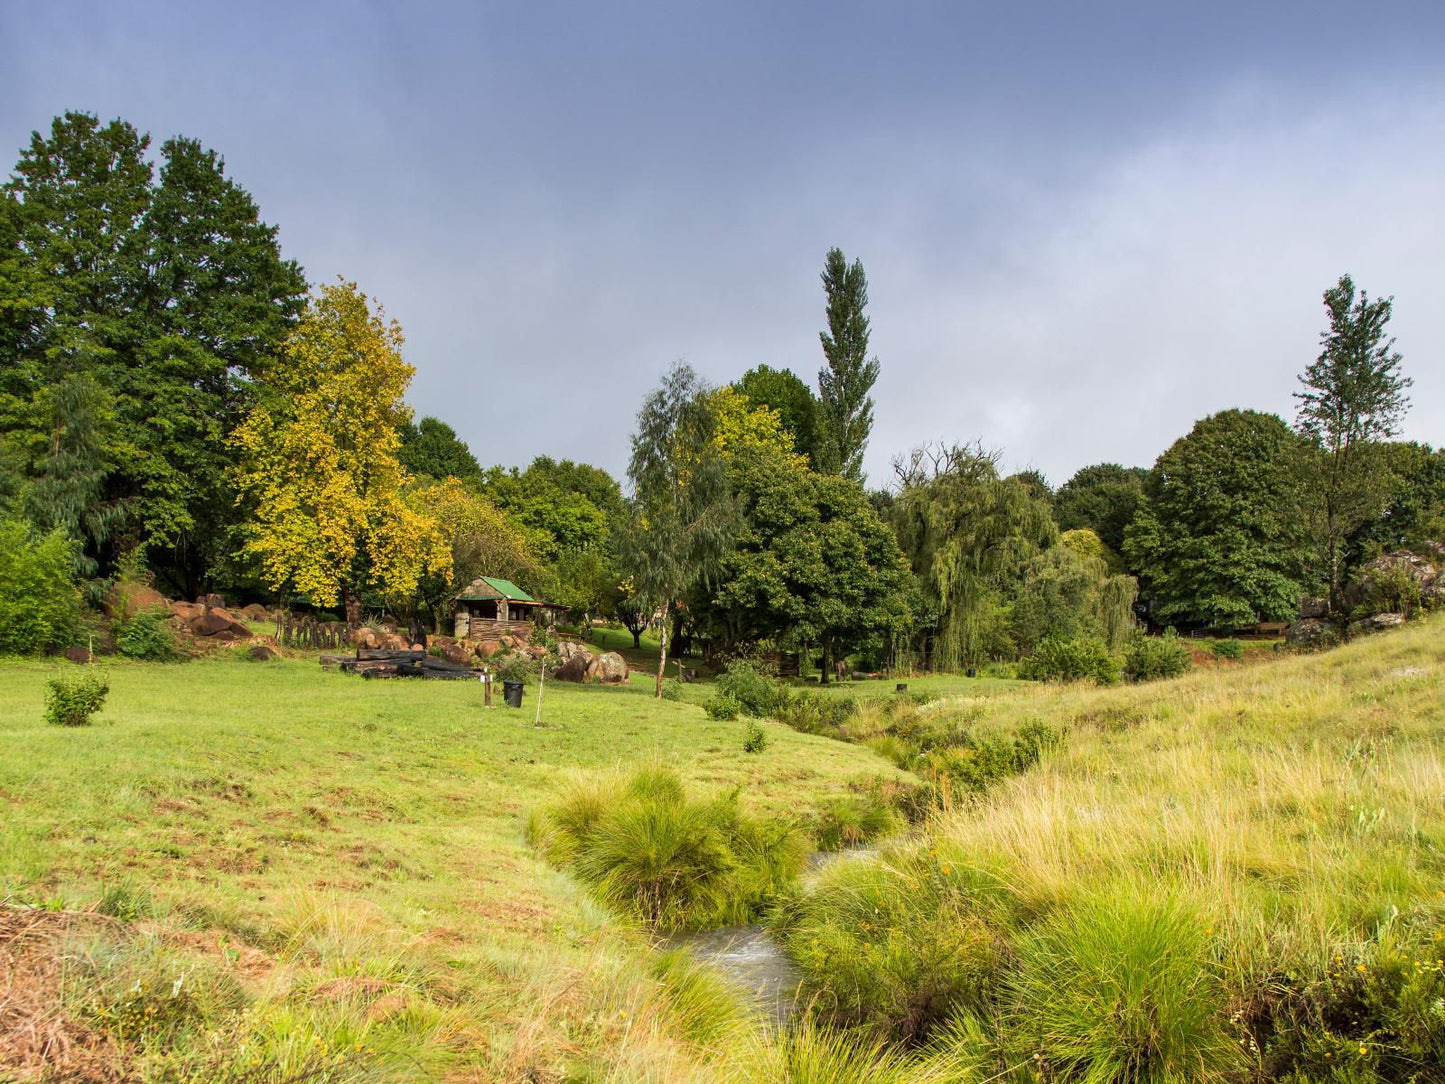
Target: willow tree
x=966 y=532
x=682 y=516
x=319 y=471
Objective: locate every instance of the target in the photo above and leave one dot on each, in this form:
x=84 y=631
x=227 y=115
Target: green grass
x=332 y=830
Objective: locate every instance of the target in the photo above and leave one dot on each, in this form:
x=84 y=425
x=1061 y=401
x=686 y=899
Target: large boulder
x=1405 y=578
x=261 y=653
x=255 y=612
x=1310 y=633
x=1314 y=608
x=487 y=648
x=609 y=668
x=568 y=648
x=211 y=602
x=187 y=611
x=363 y=637
x=1376 y=623
x=128 y=599
x=456 y=653
x=219 y=625
x=574 y=668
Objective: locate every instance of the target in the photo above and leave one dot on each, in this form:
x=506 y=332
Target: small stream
x=749 y=958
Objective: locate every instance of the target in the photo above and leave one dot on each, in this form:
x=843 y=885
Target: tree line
x=178 y=402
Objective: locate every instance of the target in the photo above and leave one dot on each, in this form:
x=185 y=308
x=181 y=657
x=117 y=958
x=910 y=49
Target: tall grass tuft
x=1119 y=988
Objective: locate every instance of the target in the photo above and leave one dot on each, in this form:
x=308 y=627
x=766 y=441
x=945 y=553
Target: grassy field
x=1235 y=876
x=317 y=844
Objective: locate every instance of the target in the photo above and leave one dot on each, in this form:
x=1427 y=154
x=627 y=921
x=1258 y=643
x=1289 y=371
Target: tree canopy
x=797 y=406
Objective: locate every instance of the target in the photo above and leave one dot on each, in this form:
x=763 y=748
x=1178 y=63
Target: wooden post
x=541 y=685
x=486 y=687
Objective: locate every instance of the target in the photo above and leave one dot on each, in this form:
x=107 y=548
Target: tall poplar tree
x=846 y=414
x=1353 y=398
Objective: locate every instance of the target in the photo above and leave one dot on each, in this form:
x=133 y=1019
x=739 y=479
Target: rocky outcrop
x=218 y=623
x=255 y=612
x=187 y=611
x=458 y=654
x=487 y=648
x=1312 y=632
x=261 y=653
x=128 y=599
x=1376 y=623
x=609 y=668
x=1398 y=582
x=1312 y=608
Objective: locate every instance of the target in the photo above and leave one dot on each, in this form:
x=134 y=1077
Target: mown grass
x=347 y=859
x=1235 y=875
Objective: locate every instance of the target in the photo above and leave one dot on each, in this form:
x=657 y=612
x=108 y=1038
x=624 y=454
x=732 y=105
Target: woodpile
x=387 y=663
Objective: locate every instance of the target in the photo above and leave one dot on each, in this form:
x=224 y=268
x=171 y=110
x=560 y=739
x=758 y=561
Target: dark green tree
x=1353 y=398
x=781 y=390
x=846 y=415
x=813 y=564
x=1102 y=497
x=168 y=294
x=567 y=505
x=683 y=512
x=1218 y=540
x=1416 y=509
x=431 y=447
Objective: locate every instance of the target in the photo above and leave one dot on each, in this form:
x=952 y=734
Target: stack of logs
x=384 y=663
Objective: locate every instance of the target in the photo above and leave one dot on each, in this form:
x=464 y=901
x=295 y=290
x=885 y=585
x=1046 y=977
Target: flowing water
x=749 y=958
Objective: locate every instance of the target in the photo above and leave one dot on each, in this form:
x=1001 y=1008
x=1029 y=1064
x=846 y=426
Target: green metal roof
x=489 y=588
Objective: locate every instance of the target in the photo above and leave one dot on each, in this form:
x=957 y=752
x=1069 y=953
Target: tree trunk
x=661 y=658
x=636 y=639
x=827 y=662
x=352 y=605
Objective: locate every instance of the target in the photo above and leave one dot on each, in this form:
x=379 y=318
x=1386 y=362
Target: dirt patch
x=38 y=1038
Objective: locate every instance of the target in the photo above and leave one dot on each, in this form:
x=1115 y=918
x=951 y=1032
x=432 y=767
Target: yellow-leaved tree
x=742 y=427
x=319 y=471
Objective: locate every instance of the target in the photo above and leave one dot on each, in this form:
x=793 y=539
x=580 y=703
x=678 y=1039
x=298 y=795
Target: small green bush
x=1228 y=649
x=755 y=692
x=71 y=701
x=853 y=820
x=145 y=635
x=39 y=604
x=722 y=705
x=672 y=690
x=755 y=738
x=1148 y=658
x=515 y=667
x=1059 y=659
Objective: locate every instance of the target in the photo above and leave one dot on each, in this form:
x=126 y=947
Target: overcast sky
x=1084 y=225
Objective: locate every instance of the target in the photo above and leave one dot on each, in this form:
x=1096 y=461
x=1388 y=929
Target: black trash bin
x=512 y=693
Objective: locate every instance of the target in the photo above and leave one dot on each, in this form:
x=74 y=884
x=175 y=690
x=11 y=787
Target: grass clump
x=852 y=820
x=71 y=701
x=1148 y=658
x=673 y=863
x=1120 y=986
x=817 y=713
x=1227 y=649
x=755 y=738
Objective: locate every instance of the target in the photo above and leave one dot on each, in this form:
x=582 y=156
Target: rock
x=442 y=641
x=509 y=642
x=1380 y=584
x=128 y=599
x=363 y=637
x=1314 y=608
x=1376 y=623
x=487 y=648
x=456 y=653
x=534 y=651
x=393 y=642
x=187 y=611
x=610 y=669
x=211 y=602
x=260 y=653
x=78 y=654
x=219 y=624
x=1310 y=633
x=568 y=648
x=522 y=633
x=574 y=668
x=255 y=612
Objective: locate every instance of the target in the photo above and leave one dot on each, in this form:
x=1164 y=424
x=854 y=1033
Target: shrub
x=39 y=604
x=755 y=692
x=515 y=667
x=145 y=635
x=1059 y=659
x=1120 y=986
x=722 y=705
x=672 y=690
x=71 y=701
x=978 y=759
x=817 y=713
x=755 y=739
x=1228 y=649
x=1148 y=658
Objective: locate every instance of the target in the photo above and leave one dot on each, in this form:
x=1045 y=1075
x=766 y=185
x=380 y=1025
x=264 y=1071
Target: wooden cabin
x=489 y=607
